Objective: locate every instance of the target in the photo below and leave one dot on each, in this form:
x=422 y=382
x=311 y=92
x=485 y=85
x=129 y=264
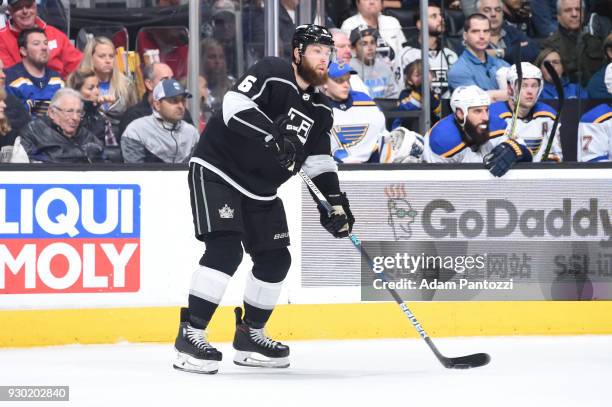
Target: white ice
x=524 y=371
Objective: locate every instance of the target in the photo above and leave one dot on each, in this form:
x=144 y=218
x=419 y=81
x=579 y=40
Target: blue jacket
x=596 y=87
x=571 y=90
x=34 y=93
x=469 y=70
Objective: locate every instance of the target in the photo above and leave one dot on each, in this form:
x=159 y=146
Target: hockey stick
x=517 y=90
x=559 y=86
x=461 y=362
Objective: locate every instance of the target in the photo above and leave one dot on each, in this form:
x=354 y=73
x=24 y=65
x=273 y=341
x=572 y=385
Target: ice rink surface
x=524 y=371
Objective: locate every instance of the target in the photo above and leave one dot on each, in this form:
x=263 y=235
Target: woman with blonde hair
x=214 y=68
x=117 y=89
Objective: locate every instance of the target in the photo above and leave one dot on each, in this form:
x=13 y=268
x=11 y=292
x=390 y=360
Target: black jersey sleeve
x=245 y=105
x=320 y=165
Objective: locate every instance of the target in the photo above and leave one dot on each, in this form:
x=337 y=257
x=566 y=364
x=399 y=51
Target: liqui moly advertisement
x=69 y=238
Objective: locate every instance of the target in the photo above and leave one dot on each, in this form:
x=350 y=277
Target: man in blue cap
x=162 y=136
x=359 y=134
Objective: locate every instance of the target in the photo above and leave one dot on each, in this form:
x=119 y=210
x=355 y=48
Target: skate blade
x=254 y=359
x=187 y=363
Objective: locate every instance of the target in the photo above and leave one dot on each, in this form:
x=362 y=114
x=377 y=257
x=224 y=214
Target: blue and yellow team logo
x=533 y=144
x=349 y=135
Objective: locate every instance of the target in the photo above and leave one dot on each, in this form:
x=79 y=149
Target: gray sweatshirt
x=151 y=139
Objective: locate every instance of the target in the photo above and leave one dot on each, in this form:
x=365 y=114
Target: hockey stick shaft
x=517 y=90
x=559 y=86
x=357 y=244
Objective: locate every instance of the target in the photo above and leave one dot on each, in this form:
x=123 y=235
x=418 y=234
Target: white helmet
x=530 y=71
x=465 y=97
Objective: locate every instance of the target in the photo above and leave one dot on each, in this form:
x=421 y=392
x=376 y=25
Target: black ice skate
x=194 y=353
x=254 y=348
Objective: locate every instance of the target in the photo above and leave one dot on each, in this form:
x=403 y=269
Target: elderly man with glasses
x=59 y=136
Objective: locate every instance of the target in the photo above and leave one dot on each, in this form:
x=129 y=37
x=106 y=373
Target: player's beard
x=310 y=74
x=478 y=136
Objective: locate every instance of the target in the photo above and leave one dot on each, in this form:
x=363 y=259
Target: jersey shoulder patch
x=361 y=99
x=598 y=114
x=543 y=110
x=497 y=126
x=445 y=138
x=501 y=110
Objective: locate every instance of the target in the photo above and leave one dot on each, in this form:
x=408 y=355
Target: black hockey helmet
x=308 y=34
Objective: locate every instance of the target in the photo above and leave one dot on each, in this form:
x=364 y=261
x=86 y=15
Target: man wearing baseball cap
x=375 y=72
x=358 y=134
x=63 y=56
x=162 y=136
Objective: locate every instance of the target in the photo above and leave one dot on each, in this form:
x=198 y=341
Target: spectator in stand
x=86 y=82
x=286 y=26
x=30 y=80
x=118 y=89
x=17 y=115
x=162 y=136
x=533 y=24
x=152 y=75
x=505 y=37
x=369 y=13
x=63 y=56
x=570 y=89
x=224 y=30
x=59 y=137
x=440 y=58
x=410 y=98
x=581 y=53
x=475 y=66
x=172 y=44
x=373 y=70
x=344 y=55
x=597 y=88
x=214 y=69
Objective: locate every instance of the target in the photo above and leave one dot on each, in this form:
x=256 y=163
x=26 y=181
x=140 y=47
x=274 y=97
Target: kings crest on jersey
x=534 y=130
x=232 y=144
x=445 y=143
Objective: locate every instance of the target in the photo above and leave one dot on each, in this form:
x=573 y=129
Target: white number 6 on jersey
x=247 y=83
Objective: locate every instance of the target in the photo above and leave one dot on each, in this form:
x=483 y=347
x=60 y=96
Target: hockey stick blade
x=466 y=362
x=559 y=86
x=461 y=362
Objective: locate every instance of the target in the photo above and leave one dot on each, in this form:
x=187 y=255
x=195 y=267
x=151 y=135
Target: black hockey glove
x=340 y=223
x=503 y=157
x=286 y=145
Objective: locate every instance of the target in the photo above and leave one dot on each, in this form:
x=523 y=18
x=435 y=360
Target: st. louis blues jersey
x=534 y=130
x=232 y=145
x=34 y=93
x=444 y=144
x=358 y=131
x=595 y=134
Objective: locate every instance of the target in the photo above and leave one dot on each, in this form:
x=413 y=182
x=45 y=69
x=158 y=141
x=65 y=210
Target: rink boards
x=107 y=256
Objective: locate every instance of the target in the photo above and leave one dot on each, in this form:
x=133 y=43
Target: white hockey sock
x=209 y=284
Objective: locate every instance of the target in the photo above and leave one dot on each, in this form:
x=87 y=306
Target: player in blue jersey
x=358 y=134
x=534 y=119
x=470 y=135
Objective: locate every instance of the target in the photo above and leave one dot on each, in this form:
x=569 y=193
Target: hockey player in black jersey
x=273 y=122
